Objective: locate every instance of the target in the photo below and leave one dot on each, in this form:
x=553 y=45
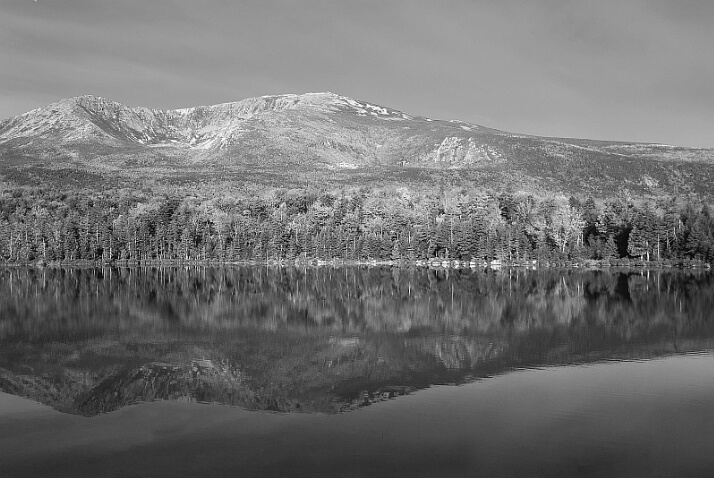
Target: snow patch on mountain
x=363 y=109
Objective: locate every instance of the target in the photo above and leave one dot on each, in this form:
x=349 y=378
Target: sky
x=631 y=70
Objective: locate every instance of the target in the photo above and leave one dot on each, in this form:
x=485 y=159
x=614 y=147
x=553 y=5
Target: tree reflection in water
x=88 y=341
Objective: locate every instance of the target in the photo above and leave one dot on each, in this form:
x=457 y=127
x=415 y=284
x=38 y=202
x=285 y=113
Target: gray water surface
x=355 y=372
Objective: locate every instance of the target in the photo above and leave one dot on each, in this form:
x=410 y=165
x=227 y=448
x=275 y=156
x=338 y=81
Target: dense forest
x=351 y=224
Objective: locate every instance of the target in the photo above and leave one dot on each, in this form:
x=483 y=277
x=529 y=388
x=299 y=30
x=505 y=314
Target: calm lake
x=354 y=372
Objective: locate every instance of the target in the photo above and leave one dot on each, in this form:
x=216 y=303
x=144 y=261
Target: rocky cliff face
x=91 y=118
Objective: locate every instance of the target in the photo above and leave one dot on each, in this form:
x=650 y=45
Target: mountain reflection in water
x=87 y=341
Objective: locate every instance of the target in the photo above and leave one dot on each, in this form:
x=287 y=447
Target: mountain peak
x=82 y=100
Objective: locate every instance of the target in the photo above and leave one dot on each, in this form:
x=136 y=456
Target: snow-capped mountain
x=329 y=132
x=334 y=127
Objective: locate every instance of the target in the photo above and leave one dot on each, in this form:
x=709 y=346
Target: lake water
x=355 y=372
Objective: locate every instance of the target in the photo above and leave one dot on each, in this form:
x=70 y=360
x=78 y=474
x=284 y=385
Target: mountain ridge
x=329 y=134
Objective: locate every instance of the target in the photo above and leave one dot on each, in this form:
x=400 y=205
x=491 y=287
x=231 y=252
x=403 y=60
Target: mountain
x=320 y=128
x=324 y=137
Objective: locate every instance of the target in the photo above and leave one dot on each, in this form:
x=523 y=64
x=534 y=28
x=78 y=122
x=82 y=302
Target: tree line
x=352 y=224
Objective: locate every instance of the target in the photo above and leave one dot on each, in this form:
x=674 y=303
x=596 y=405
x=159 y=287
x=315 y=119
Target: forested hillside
x=353 y=224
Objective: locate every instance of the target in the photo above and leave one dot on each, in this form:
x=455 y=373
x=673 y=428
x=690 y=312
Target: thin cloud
x=637 y=70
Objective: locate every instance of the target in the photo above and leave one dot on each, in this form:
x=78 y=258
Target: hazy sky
x=638 y=70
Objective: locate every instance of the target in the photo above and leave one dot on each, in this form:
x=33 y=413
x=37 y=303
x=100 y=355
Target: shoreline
x=434 y=263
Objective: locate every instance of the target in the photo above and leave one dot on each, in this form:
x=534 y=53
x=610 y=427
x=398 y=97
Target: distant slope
x=324 y=137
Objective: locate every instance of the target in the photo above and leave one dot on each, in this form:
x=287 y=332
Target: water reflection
x=89 y=341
